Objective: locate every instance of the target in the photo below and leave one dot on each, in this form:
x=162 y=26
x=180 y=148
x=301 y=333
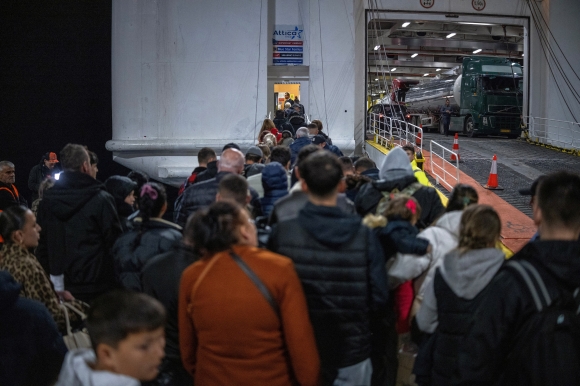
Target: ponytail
x=152 y=198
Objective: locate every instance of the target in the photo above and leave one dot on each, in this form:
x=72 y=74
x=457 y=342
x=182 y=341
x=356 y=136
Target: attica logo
x=292 y=34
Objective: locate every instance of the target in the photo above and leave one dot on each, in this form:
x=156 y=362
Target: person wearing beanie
x=254 y=165
x=46 y=168
x=122 y=189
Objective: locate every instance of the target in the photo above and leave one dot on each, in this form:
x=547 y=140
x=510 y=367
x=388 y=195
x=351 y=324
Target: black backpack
x=549 y=340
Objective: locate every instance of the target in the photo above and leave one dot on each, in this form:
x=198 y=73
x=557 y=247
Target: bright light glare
x=414 y=55
x=522 y=54
x=406 y=24
x=426 y=75
x=451 y=35
x=377 y=79
x=438 y=69
x=393 y=69
x=477 y=51
x=377 y=47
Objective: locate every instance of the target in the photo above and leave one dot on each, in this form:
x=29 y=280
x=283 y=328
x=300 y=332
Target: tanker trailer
x=484 y=93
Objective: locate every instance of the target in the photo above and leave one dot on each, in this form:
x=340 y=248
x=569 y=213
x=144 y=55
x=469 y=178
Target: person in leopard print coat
x=20 y=231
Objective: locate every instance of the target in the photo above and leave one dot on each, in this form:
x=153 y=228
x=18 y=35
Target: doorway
x=280 y=89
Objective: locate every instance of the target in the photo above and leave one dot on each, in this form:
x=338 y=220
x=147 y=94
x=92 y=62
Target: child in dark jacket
x=397 y=233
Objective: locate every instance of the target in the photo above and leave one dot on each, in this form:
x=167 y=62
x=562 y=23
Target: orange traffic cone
x=455 y=148
x=492 y=183
x=419 y=136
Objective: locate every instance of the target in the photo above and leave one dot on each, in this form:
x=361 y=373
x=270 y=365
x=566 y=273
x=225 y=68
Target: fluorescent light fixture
x=477 y=51
x=426 y=75
x=414 y=55
x=377 y=48
x=451 y=35
x=438 y=69
x=406 y=24
x=470 y=23
x=393 y=69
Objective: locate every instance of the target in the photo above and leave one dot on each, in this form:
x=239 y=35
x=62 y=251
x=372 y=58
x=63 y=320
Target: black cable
x=550 y=67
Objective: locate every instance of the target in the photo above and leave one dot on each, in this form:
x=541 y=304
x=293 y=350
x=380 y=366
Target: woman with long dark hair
x=243 y=317
x=152 y=235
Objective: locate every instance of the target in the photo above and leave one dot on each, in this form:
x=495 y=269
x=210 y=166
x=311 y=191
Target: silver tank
x=430 y=96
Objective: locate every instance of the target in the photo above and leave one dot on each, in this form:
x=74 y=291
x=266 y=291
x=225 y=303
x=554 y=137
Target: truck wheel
x=468 y=129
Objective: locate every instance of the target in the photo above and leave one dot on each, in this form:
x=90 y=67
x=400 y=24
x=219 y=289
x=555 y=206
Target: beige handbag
x=76 y=339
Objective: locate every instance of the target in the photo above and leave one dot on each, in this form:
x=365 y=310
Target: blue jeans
x=355 y=375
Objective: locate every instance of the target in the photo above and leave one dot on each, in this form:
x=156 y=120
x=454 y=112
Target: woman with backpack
x=268 y=127
x=455 y=292
x=152 y=235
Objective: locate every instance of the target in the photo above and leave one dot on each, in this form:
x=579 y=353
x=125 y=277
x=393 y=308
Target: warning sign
x=427 y=3
x=478 y=5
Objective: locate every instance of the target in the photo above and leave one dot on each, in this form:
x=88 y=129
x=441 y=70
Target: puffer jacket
x=295 y=148
x=31 y=348
x=210 y=172
x=201 y=195
x=275 y=184
x=396 y=172
x=341 y=266
x=443 y=237
x=157 y=236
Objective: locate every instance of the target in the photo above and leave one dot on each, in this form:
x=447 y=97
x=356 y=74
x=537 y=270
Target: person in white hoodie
x=443 y=236
x=454 y=294
x=128 y=338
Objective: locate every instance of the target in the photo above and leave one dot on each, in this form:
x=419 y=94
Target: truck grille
x=511 y=122
x=502 y=109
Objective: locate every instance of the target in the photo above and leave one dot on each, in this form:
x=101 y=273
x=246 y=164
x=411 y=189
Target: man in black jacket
x=396 y=173
x=203 y=194
x=341 y=266
x=509 y=343
x=79 y=227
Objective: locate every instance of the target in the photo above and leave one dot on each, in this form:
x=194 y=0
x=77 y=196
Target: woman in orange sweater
x=230 y=334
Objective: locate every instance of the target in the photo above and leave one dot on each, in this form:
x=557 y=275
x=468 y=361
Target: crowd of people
x=289 y=264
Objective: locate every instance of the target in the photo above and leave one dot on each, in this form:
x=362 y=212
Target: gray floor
x=518 y=163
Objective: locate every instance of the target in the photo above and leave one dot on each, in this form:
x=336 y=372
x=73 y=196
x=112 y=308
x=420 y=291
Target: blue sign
x=288 y=61
x=289 y=49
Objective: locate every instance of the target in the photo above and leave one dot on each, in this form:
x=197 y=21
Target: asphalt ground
x=518 y=163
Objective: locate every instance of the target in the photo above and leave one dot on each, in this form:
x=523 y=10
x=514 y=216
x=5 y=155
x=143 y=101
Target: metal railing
x=392 y=132
x=446 y=172
x=563 y=134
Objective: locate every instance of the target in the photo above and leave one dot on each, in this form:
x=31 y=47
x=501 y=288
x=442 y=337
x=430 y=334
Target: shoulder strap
x=210 y=264
x=533 y=281
x=411 y=189
x=256 y=280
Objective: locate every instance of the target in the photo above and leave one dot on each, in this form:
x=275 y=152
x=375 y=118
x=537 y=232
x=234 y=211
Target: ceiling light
x=393 y=69
x=426 y=75
x=406 y=24
x=438 y=69
x=451 y=35
x=470 y=23
x=477 y=51
x=414 y=55
x=377 y=47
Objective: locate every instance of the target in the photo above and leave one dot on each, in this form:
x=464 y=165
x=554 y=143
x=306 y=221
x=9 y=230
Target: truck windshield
x=500 y=83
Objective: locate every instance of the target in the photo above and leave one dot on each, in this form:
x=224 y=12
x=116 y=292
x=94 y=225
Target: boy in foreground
x=128 y=338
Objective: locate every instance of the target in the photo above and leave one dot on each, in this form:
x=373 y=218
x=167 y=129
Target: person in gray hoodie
x=443 y=236
x=396 y=173
x=456 y=291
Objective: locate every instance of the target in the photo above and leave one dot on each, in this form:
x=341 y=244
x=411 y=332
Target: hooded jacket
x=396 y=172
x=158 y=236
x=79 y=227
x=282 y=124
x=119 y=187
x=77 y=371
x=490 y=355
x=31 y=348
x=275 y=184
x=39 y=173
x=443 y=237
x=295 y=148
x=341 y=266
x=450 y=303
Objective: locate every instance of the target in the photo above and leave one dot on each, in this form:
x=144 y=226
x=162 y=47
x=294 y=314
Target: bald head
x=231 y=160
